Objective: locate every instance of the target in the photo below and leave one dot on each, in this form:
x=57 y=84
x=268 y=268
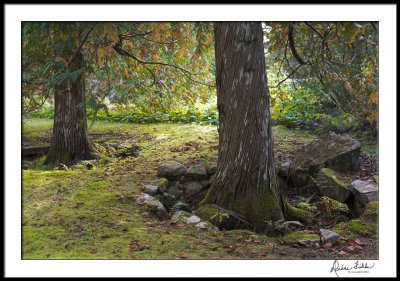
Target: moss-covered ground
x=83 y=213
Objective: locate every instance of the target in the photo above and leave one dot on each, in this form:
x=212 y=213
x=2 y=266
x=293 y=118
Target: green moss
x=296 y=214
x=91 y=214
x=339 y=179
x=215 y=216
x=370 y=213
x=293 y=237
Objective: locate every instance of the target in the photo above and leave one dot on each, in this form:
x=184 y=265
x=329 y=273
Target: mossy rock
x=333 y=209
x=366 y=225
x=370 y=212
x=297 y=214
x=220 y=219
x=340 y=153
x=333 y=185
x=296 y=236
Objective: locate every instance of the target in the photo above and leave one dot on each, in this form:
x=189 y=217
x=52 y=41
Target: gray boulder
x=365 y=191
x=192 y=188
x=328 y=236
x=171 y=171
x=150 y=189
x=333 y=185
x=151 y=204
x=196 y=172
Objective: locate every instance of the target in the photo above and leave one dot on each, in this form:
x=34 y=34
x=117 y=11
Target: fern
x=280 y=227
x=180 y=206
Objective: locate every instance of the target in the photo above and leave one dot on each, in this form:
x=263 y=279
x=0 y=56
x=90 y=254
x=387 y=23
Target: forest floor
x=91 y=214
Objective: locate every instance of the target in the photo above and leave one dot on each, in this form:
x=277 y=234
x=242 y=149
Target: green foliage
x=205 y=116
x=180 y=206
x=219 y=217
x=336 y=87
x=280 y=227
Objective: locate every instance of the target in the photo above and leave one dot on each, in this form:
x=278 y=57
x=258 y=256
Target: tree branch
x=80 y=47
x=290 y=75
x=292 y=46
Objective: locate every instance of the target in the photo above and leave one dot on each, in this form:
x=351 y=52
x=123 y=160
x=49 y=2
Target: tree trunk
x=70 y=140
x=245 y=180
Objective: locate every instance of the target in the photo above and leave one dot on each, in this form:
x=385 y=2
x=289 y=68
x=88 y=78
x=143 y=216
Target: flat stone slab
x=35 y=151
x=341 y=153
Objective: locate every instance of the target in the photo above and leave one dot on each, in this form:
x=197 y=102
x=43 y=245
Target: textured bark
x=245 y=179
x=70 y=140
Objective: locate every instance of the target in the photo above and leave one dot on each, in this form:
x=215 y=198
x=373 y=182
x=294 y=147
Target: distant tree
x=120 y=59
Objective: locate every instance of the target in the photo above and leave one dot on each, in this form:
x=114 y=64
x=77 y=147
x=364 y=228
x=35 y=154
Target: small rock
x=328 y=236
x=150 y=189
x=171 y=171
x=196 y=172
x=63 y=167
x=284 y=169
x=192 y=188
x=193 y=219
x=206 y=226
x=152 y=204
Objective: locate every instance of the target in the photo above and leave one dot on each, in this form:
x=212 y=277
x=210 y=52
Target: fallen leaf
x=183 y=255
x=359 y=242
x=342 y=253
x=327 y=245
x=350 y=248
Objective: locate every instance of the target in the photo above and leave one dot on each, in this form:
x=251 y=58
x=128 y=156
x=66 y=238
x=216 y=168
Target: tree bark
x=245 y=180
x=70 y=140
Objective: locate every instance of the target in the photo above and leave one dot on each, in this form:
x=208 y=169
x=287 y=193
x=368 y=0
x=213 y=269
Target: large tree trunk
x=70 y=140
x=245 y=179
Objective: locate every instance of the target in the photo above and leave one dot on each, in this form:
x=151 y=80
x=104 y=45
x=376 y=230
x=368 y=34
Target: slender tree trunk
x=245 y=180
x=70 y=140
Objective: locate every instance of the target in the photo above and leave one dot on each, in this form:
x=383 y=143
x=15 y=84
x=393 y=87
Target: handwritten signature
x=336 y=267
